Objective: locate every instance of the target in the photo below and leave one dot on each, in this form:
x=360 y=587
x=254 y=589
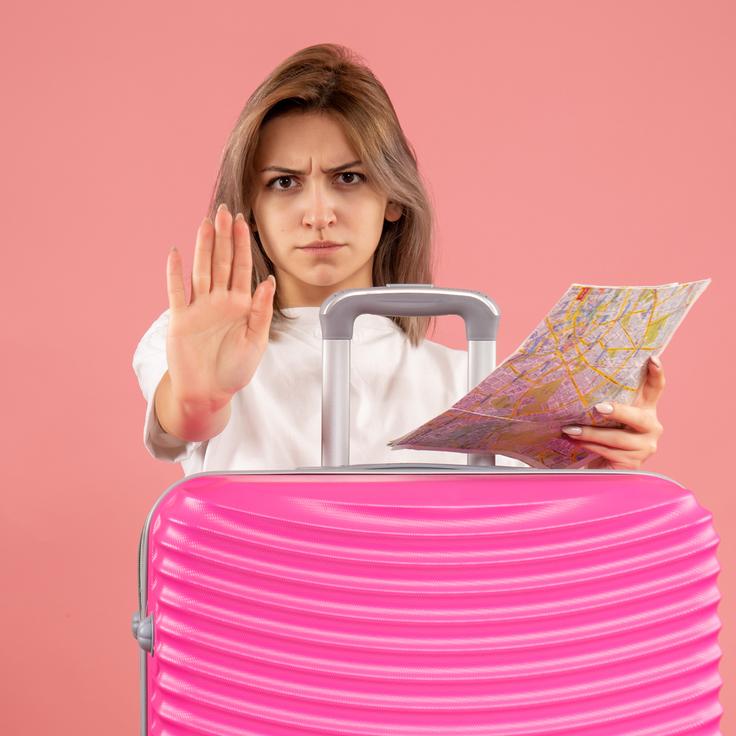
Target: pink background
x=562 y=142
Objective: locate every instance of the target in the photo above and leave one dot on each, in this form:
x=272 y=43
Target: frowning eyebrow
x=324 y=171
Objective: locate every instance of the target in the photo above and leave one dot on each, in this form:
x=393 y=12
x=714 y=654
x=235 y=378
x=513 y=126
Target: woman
x=327 y=196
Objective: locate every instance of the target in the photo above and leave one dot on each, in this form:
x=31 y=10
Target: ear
x=393 y=211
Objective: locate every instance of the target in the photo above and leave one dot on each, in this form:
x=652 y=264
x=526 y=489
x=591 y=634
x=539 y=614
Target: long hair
x=329 y=78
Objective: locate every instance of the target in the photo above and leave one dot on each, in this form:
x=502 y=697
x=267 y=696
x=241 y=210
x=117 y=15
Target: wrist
x=189 y=419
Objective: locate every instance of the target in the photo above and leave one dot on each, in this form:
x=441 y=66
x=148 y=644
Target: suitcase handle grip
x=339 y=311
x=337 y=315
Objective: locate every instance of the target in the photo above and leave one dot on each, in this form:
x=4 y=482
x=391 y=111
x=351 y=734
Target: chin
x=325 y=278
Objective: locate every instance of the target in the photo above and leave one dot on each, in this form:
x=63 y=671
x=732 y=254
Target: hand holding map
x=593 y=346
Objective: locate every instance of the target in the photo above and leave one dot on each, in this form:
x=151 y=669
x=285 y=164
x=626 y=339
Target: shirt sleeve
x=150 y=365
x=510 y=462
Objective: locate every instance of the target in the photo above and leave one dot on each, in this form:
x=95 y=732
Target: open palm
x=215 y=343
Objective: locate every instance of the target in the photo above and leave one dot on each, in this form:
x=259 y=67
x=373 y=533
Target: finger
x=638 y=418
x=222 y=257
x=242 y=259
x=261 y=311
x=175 y=281
x=202 y=259
x=617 y=459
x=618 y=439
x=652 y=387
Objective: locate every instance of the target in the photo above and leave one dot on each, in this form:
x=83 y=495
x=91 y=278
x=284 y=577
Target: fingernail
x=221 y=206
x=604 y=407
x=239 y=216
x=271 y=276
x=572 y=430
x=656 y=361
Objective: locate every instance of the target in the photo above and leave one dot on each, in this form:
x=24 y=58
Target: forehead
x=292 y=139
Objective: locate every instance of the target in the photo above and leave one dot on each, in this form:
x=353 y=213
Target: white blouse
x=275 y=420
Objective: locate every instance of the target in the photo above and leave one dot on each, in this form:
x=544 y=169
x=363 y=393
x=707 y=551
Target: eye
x=271 y=183
x=360 y=178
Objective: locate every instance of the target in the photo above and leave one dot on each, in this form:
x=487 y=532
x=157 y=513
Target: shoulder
x=149 y=357
x=443 y=356
x=160 y=324
x=152 y=346
x=156 y=333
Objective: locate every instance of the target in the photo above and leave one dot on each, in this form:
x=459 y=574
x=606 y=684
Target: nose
x=319 y=211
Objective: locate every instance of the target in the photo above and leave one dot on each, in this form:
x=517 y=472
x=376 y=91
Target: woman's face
x=329 y=199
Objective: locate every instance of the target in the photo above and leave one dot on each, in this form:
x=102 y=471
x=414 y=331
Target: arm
x=214 y=343
x=196 y=356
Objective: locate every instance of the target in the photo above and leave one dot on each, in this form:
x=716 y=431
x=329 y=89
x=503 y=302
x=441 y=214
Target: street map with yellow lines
x=592 y=346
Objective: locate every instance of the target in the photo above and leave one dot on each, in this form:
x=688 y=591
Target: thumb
x=653 y=384
x=261 y=309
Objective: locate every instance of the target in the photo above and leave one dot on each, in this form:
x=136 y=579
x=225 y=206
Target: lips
x=322 y=247
x=322 y=244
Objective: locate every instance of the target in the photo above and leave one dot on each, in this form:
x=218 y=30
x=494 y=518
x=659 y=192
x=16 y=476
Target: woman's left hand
x=626 y=449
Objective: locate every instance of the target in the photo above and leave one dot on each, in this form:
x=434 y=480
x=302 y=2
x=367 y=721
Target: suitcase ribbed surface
x=432 y=604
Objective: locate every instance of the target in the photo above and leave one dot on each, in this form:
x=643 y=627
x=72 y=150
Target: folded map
x=592 y=346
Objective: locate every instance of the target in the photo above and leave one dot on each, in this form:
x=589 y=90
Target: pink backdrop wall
x=565 y=141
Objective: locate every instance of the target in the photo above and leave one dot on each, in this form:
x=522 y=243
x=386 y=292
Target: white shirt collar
x=306 y=319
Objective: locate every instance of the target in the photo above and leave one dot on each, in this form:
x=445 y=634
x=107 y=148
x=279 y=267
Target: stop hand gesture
x=215 y=342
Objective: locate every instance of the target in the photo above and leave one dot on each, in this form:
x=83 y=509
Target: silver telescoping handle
x=337 y=315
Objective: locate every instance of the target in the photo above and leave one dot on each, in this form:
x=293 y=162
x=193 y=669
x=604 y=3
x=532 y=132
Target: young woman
x=318 y=191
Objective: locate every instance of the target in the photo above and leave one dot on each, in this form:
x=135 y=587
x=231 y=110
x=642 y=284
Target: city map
x=592 y=346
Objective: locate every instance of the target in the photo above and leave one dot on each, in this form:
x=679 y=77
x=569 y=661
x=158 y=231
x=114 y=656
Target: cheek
x=267 y=220
x=371 y=214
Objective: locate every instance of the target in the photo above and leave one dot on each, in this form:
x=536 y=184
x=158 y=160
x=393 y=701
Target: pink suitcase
x=425 y=599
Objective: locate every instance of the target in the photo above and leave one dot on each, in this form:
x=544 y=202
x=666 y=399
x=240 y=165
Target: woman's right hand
x=215 y=342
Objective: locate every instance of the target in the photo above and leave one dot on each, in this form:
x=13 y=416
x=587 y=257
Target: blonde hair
x=329 y=78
